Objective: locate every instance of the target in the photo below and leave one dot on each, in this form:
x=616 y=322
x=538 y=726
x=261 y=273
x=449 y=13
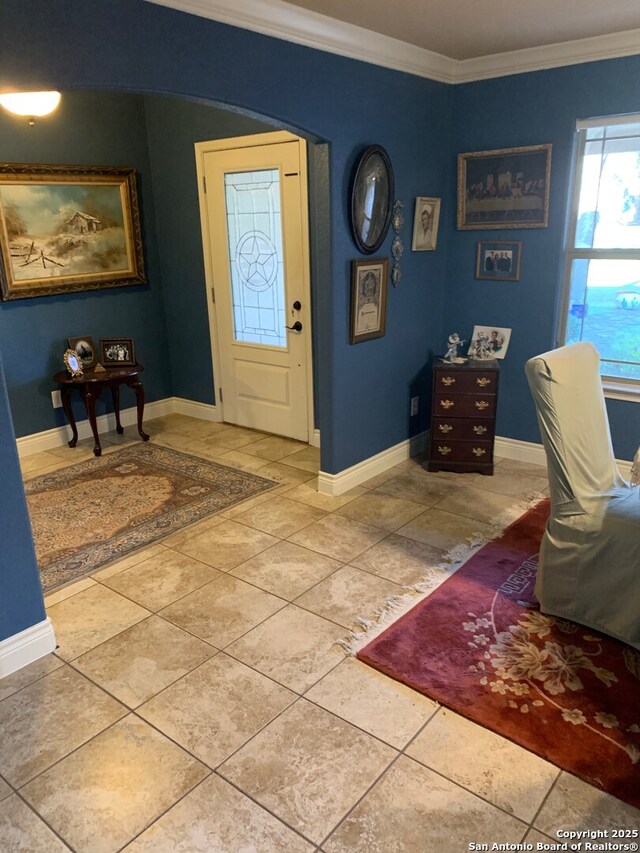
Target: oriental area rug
x=95 y=512
x=479 y=645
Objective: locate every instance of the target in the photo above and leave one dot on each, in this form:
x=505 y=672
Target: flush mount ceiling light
x=30 y=104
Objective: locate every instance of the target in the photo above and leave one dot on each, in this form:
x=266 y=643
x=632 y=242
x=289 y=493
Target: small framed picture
x=498 y=261
x=117 y=352
x=489 y=342
x=369 y=280
x=85 y=350
x=425 y=224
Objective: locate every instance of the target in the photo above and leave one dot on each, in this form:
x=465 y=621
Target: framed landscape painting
x=67 y=228
x=505 y=188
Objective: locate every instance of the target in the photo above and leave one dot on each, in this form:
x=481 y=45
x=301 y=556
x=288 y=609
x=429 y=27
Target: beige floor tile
x=186 y=534
x=307 y=459
x=308 y=767
x=159 y=581
x=5 y=791
x=131 y=560
x=519 y=484
x=141 y=661
x=401 y=560
x=243 y=506
x=380 y=510
x=215 y=818
x=280 y=516
x=48 y=469
x=105 y=793
x=526 y=467
x=286 y=475
x=27 y=675
x=368 y=699
x=197 y=428
x=338 y=537
x=232 y=438
x=49 y=718
x=22 y=831
x=227 y=545
x=507 y=775
x=31 y=465
x=573 y=804
x=418 y=486
x=65 y=592
x=348 y=595
x=478 y=503
x=274 y=448
x=83 y=450
x=91 y=617
x=216 y=708
x=240 y=459
x=383 y=477
x=307 y=493
x=223 y=610
x=293 y=647
x=443 y=530
x=286 y=569
x=412 y=808
x=534 y=837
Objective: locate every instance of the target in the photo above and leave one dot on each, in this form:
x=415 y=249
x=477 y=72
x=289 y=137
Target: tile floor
x=198 y=700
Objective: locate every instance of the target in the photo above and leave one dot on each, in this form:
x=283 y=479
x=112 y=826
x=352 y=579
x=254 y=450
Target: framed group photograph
x=505 y=188
x=117 y=352
x=489 y=342
x=425 y=224
x=85 y=349
x=67 y=228
x=369 y=281
x=498 y=261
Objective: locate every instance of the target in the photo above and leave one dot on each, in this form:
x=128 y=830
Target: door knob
x=297 y=327
x=297 y=305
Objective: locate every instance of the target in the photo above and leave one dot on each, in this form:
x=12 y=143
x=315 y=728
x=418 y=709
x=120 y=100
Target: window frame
x=615 y=387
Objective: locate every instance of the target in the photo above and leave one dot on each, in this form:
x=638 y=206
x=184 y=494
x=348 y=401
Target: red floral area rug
x=479 y=645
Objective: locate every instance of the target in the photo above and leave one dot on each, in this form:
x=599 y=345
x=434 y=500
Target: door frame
x=254 y=141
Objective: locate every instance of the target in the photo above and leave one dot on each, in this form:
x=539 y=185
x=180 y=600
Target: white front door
x=255 y=230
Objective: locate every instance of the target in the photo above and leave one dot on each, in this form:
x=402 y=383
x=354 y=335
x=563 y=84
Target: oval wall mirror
x=371 y=199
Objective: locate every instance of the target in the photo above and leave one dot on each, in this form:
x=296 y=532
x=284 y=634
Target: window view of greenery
x=604 y=262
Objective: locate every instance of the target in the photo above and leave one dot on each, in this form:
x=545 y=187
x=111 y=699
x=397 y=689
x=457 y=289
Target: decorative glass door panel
x=256 y=265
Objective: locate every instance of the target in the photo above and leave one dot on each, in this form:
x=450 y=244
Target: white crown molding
x=26 y=647
x=284 y=21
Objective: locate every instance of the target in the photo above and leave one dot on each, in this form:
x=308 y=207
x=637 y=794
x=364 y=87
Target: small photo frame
x=498 y=261
x=488 y=342
x=369 y=281
x=425 y=224
x=85 y=349
x=117 y=352
x=72 y=363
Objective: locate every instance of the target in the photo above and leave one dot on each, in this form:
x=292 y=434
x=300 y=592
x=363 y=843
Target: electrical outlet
x=56 y=399
x=414 y=405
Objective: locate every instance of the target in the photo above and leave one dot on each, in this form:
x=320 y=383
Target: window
x=602 y=289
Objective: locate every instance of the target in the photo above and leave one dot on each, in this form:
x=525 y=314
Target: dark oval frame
x=382 y=207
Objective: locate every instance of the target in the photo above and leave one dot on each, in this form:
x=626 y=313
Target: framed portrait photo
x=488 y=342
x=505 y=188
x=67 y=228
x=85 y=350
x=117 y=352
x=425 y=224
x=369 y=281
x=498 y=261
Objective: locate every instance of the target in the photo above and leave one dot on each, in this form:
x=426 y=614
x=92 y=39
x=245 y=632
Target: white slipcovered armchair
x=589 y=565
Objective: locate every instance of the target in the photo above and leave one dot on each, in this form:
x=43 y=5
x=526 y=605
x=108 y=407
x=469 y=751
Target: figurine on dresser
x=451 y=354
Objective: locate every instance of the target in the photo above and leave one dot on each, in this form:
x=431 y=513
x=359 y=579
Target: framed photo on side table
x=369 y=281
x=505 y=188
x=425 y=224
x=117 y=352
x=498 y=261
x=85 y=349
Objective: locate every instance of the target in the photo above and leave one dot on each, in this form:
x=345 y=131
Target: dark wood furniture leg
x=68 y=410
x=115 y=395
x=139 y=391
x=90 y=403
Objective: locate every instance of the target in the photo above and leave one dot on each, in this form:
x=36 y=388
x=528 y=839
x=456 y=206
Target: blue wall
x=87 y=129
x=527 y=109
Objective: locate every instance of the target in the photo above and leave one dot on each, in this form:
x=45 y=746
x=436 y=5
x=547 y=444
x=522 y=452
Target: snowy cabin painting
x=82 y=223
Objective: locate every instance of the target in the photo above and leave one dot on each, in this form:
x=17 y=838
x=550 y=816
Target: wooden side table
x=91 y=385
x=465 y=398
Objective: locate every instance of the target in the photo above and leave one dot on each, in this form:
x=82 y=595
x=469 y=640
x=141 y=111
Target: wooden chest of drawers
x=463 y=416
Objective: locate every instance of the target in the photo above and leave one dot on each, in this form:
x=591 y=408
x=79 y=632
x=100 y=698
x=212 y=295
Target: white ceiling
x=465 y=29
x=452 y=41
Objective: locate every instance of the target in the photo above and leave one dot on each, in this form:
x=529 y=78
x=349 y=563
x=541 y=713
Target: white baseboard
x=26 y=647
x=314 y=440
x=528 y=451
x=204 y=411
x=338 y=484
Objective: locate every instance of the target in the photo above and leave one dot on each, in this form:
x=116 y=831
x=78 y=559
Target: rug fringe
x=397 y=605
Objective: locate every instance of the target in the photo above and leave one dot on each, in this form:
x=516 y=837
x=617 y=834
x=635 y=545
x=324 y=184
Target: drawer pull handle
x=448 y=380
x=479 y=430
x=479 y=451
x=445 y=427
x=482 y=381
x=481 y=404
x=444 y=450
x=448 y=404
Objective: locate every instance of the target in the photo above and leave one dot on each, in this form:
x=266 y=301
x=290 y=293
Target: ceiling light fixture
x=30 y=104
